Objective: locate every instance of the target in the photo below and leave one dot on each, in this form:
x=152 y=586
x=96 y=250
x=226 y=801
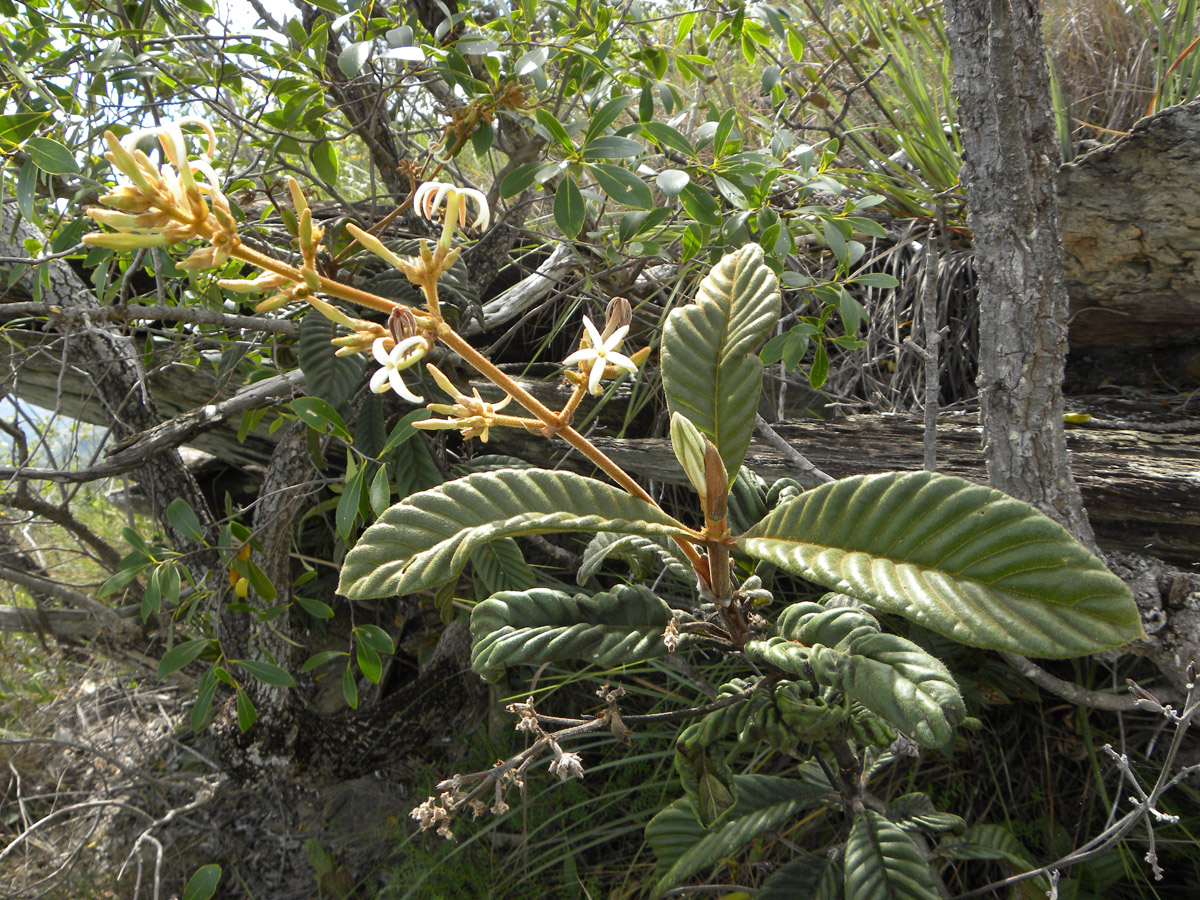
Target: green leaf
x=765 y=802
x=204 y=699
x=428 y=538
x=325 y=160
x=169 y=582
x=916 y=811
x=889 y=675
x=16 y=127
x=612 y=146
x=708 y=782
x=987 y=842
x=884 y=863
x=403 y=430
x=668 y=138
x=203 y=883
x=180 y=655
x=624 y=625
x=350 y=687
x=520 y=178
x=319 y=659
x=622 y=185
x=317 y=413
x=354 y=57
x=555 y=129
x=184 y=520
x=347 y=508
x=605 y=116
x=809 y=877
x=502 y=567
x=672 y=181
x=711 y=373
x=50 y=156
x=568 y=207
x=380 y=493
x=700 y=205
x=314 y=608
x=645 y=555
x=246 y=713
x=266 y=672
x=876 y=280
x=331 y=378
x=368 y=662
x=966 y=561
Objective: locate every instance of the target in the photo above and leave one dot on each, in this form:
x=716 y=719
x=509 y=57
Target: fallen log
x=1140 y=479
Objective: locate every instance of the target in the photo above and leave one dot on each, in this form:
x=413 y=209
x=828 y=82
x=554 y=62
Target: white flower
x=601 y=354
x=430 y=196
x=403 y=355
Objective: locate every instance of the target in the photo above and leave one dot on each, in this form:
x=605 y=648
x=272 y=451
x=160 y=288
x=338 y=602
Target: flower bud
x=689 y=446
x=619 y=314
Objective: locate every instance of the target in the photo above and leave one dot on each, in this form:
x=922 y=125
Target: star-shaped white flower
x=404 y=355
x=601 y=354
x=431 y=196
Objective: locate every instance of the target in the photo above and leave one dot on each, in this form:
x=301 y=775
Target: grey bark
x=1009 y=170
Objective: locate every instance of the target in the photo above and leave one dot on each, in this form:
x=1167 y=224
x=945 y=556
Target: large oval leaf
x=965 y=561
x=884 y=863
x=540 y=625
x=428 y=538
x=710 y=369
x=765 y=802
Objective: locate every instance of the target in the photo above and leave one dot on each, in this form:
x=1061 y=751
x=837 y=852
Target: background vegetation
x=623 y=149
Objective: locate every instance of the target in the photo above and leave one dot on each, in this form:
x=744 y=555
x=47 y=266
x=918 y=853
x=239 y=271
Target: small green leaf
x=50 y=156
x=708 y=783
x=350 y=687
x=246 y=713
x=612 y=146
x=569 y=210
x=403 y=430
x=368 y=662
x=266 y=672
x=667 y=137
x=381 y=490
x=672 y=181
x=623 y=185
x=354 y=57
x=317 y=414
x=520 y=178
x=180 y=655
x=204 y=699
x=203 y=883
x=555 y=129
x=375 y=638
x=347 y=508
x=324 y=158
x=700 y=205
x=183 y=519
x=319 y=659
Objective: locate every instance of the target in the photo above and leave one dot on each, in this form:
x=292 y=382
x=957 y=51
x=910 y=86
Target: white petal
x=621 y=361
x=579 y=356
x=401 y=388
x=594 y=377
x=592 y=333
x=614 y=339
x=405 y=354
x=381 y=355
x=380 y=379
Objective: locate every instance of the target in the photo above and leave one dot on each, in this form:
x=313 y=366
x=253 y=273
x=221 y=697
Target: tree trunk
x=1009 y=170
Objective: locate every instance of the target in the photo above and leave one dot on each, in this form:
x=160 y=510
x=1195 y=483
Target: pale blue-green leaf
x=672 y=181
x=965 y=561
x=428 y=538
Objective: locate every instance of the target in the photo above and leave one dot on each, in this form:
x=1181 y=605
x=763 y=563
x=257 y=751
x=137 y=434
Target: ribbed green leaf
x=427 y=539
x=624 y=625
x=990 y=842
x=916 y=812
x=965 y=561
x=502 y=567
x=765 y=802
x=646 y=556
x=710 y=369
x=884 y=863
x=888 y=674
x=806 y=878
x=332 y=378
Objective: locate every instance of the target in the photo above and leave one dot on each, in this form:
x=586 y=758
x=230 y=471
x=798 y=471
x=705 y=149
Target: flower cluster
x=471 y=416
x=162 y=205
